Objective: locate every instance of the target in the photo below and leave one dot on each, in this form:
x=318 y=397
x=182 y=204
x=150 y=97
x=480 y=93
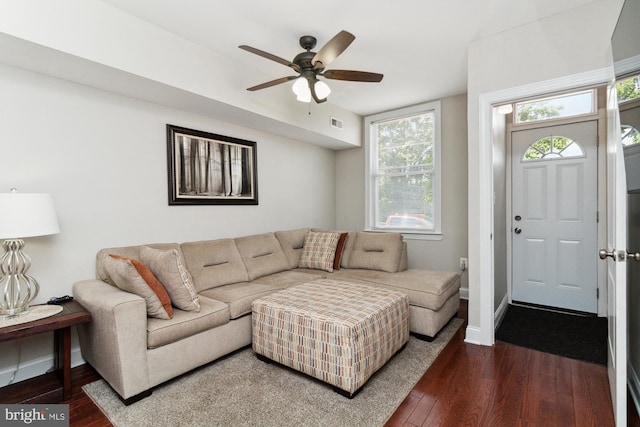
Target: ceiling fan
x=311 y=65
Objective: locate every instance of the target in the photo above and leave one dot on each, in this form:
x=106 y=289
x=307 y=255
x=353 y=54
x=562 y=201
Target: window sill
x=422 y=236
x=409 y=235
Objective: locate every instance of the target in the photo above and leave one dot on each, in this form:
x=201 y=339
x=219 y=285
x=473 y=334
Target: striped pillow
x=168 y=267
x=319 y=250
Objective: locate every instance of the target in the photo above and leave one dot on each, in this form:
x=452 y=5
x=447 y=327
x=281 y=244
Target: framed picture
x=209 y=169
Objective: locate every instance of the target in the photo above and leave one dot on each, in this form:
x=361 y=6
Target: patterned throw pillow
x=168 y=267
x=132 y=276
x=319 y=250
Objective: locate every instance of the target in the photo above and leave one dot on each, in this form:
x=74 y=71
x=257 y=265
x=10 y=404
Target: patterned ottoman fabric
x=336 y=331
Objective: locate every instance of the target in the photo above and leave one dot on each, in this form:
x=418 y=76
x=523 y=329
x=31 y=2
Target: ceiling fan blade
x=267 y=55
x=272 y=83
x=332 y=49
x=354 y=76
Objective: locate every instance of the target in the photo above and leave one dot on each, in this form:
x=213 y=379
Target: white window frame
x=371 y=162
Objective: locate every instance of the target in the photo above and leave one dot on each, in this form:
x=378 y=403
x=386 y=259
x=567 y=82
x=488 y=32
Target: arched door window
x=553 y=147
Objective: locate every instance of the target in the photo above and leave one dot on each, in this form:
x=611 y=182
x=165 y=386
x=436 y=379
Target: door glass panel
x=553 y=147
x=628 y=89
x=630 y=135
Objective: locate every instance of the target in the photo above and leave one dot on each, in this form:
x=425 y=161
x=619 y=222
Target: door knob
x=633 y=255
x=517 y=230
x=603 y=254
x=619 y=255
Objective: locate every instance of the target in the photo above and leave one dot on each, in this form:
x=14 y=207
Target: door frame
x=601 y=188
x=481 y=330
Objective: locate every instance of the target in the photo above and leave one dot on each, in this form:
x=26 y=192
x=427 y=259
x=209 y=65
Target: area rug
x=568 y=335
x=240 y=390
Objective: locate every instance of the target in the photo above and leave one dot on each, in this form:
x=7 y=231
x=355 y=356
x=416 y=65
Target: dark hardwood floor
x=506 y=385
x=469 y=385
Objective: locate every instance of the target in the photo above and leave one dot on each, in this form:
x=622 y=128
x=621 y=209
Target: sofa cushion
x=167 y=265
x=134 y=277
x=286 y=279
x=187 y=323
x=214 y=263
x=319 y=250
x=377 y=251
x=239 y=296
x=125 y=251
x=292 y=242
x=426 y=288
x=262 y=255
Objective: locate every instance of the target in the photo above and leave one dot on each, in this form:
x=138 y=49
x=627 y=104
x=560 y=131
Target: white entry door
x=554 y=223
x=616 y=253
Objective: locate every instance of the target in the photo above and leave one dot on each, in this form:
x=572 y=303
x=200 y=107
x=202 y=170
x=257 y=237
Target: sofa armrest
x=115 y=341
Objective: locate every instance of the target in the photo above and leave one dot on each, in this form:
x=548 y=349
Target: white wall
x=442 y=254
x=512 y=62
x=103 y=158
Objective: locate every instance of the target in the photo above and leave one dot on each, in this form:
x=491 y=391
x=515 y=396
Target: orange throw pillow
x=151 y=280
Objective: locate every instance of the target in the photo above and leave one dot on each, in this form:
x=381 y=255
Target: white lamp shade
x=27 y=215
x=301 y=89
x=305 y=97
x=322 y=89
x=300 y=86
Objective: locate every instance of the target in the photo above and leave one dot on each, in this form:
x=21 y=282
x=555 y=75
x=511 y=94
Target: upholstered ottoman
x=333 y=330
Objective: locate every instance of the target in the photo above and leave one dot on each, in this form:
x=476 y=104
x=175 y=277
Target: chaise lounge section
x=135 y=344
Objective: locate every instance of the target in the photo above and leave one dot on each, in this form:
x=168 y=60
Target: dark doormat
x=568 y=335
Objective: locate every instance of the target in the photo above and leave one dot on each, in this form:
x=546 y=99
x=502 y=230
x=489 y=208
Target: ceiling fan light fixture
x=305 y=97
x=301 y=89
x=322 y=89
x=310 y=65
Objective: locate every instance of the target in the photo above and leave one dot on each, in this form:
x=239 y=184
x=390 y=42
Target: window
x=556 y=107
x=403 y=185
x=630 y=135
x=628 y=89
x=553 y=147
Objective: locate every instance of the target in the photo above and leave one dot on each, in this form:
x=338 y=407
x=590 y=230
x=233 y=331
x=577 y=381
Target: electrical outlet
x=463 y=264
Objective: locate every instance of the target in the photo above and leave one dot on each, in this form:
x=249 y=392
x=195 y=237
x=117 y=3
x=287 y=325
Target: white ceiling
x=419 y=45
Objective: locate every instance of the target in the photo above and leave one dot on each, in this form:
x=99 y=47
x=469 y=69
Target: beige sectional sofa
x=135 y=352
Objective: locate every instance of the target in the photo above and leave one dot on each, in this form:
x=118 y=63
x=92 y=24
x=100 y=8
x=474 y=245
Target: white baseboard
x=500 y=312
x=35 y=367
x=464 y=293
x=472 y=335
x=634 y=385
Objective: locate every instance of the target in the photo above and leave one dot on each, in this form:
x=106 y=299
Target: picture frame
x=209 y=169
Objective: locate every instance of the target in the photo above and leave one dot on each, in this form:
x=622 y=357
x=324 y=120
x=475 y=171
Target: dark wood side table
x=51 y=387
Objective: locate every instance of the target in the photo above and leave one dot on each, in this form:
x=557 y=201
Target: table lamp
x=21 y=215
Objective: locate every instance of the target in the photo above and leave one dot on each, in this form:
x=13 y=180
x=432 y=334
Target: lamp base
x=22 y=313
x=19 y=289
